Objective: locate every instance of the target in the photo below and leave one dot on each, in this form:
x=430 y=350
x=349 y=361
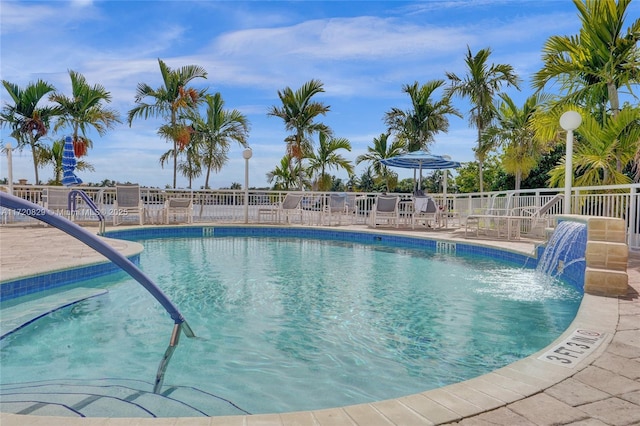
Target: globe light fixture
x=569 y=121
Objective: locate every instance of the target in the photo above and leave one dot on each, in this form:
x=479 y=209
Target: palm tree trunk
x=299 y=161
x=615 y=110
x=35 y=157
x=35 y=162
x=206 y=179
x=175 y=163
x=613 y=98
x=480 y=159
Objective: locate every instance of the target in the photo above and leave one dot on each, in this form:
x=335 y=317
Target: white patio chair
x=174 y=207
x=538 y=217
x=335 y=207
x=385 y=210
x=128 y=202
x=56 y=199
x=289 y=207
x=425 y=212
x=352 y=207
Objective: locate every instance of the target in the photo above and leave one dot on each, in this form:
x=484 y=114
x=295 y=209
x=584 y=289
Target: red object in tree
x=79 y=148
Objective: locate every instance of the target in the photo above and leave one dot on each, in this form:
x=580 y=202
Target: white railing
x=228 y=206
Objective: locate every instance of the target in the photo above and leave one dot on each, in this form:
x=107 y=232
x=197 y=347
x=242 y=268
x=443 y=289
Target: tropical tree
x=83 y=110
x=366 y=180
x=298 y=111
x=514 y=131
x=381 y=150
x=593 y=65
x=481 y=84
x=328 y=158
x=600 y=147
x=213 y=133
x=353 y=184
x=467 y=180
x=426 y=117
x=189 y=163
x=636 y=165
x=170 y=102
x=286 y=175
x=53 y=156
x=28 y=121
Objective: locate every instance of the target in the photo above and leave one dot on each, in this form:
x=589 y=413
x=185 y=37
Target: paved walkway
x=602 y=389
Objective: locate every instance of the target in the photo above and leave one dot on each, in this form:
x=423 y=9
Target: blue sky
x=363 y=52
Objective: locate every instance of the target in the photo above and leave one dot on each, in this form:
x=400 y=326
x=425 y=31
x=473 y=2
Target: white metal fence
x=228 y=206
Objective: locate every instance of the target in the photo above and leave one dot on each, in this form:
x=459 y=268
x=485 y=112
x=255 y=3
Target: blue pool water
x=289 y=324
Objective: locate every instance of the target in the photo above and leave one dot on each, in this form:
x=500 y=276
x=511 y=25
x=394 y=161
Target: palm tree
x=480 y=85
x=327 y=158
x=593 y=65
x=213 y=133
x=27 y=121
x=170 y=102
x=84 y=109
x=636 y=164
x=286 y=175
x=298 y=111
x=600 y=148
x=380 y=151
x=190 y=166
x=514 y=131
x=419 y=124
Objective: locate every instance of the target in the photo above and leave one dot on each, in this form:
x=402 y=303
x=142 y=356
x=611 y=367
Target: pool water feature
x=564 y=254
x=288 y=324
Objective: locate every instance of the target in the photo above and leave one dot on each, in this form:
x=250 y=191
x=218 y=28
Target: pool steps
x=15 y=317
x=70 y=228
x=110 y=398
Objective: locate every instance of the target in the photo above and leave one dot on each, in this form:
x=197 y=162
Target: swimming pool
x=302 y=286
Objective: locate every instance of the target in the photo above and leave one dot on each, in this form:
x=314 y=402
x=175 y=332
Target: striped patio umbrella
x=419 y=160
x=69 y=164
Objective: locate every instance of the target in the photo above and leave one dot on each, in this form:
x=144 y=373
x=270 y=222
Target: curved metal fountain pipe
x=38 y=212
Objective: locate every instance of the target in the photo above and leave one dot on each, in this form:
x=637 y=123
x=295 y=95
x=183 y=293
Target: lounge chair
x=353 y=205
x=175 y=207
x=127 y=202
x=57 y=201
x=335 y=207
x=289 y=207
x=313 y=207
x=425 y=211
x=538 y=217
x=385 y=210
x=511 y=224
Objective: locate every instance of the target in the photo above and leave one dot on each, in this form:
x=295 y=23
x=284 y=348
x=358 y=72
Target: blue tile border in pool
x=34 y=284
x=502 y=255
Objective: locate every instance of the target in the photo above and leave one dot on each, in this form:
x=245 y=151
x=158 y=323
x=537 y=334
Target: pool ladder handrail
x=72 y=205
x=164 y=363
x=180 y=323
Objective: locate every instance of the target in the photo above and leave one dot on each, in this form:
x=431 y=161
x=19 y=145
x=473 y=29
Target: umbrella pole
x=444 y=189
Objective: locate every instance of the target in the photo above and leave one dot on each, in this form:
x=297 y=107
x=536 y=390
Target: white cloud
x=366 y=38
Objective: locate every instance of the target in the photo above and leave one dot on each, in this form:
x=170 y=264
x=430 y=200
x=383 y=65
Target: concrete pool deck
x=602 y=388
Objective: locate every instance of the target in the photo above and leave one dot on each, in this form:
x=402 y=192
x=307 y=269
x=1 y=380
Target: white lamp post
x=569 y=121
x=246 y=154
